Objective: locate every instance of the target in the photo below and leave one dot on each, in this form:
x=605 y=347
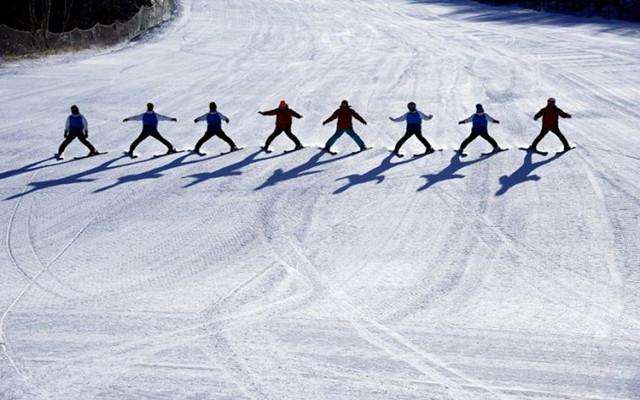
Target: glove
x=66 y=133
x=195 y=121
x=260 y=112
x=174 y=119
x=125 y=120
x=86 y=134
x=460 y=122
x=496 y=122
x=390 y=119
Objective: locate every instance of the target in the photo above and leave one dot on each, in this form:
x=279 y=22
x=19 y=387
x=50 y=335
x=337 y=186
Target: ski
x=292 y=150
x=168 y=154
x=361 y=150
x=333 y=153
x=493 y=152
x=230 y=151
x=542 y=153
x=564 y=151
x=426 y=153
x=90 y=155
x=126 y=153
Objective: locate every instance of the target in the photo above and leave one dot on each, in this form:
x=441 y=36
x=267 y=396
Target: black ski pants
x=411 y=131
x=544 y=132
x=277 y=132
x=483 y=133
x=71 y=136
x=209 y=134
x=153 y=132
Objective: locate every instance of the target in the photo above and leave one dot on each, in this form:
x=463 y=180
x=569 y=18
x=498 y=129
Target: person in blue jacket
x=414 y=127
x=214 y=128
x=480 y=121
x=76 y=127
x=150 y=121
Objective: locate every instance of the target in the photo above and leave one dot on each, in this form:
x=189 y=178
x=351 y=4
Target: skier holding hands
x=284 y=121
x=550 y=117
x=150 y=121
x=214 y=128
x=345 y=115
x=414 y=120
x=480 y=121
x=76 y=127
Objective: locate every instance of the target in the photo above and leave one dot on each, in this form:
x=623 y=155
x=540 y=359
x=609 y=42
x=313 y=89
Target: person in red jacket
x=344 y=115
x=284 y=119
x=550 y=116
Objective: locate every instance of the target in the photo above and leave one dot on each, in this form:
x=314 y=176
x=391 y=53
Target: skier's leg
x=333 y=139
x=227 y=139
x=401 y=142
x=156 y=135
x=293 y=137
x=202 y=141
x=536 y=141
x=137 y=141
x=468 y=140
x=424 y=141
x=65 y=143
x=356 y=138
x=485 y=135
x=83 y=139
x=563 y=139
x=272 y=137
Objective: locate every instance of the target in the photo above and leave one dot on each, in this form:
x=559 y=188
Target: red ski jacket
x=284 y=116
x=550 y=116
x=345 y=117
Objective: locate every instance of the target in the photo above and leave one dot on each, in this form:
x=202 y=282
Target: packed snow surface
x=310 y=276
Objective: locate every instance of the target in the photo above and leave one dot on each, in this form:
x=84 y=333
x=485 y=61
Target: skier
x=76 y=127
x=479 y=120
x=550 y=115
x=345 y=115
x=414 y=127
x=150 y=121
x=214 y=128
x=284 y=120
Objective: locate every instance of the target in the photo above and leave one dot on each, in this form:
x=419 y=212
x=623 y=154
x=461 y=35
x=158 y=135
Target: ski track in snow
x=303 y=275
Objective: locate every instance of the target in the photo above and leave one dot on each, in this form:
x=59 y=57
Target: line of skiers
x=78 y=127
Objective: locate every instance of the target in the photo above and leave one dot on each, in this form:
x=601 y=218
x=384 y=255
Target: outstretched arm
x=295 y=114
x=538 y=115
x=165 y=118
x=134 y=118
x=223 y=117
x=270 y=112
x=399 y=119
x=564 y=114
x=466 y=121
x=491 y=119
x=358 y=117
x=424 y=116
x=331 y=118
x=201 y=118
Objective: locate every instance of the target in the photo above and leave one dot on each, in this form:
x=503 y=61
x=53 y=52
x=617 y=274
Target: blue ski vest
x=414 y=118
x=75 y=122
x=480 y=121
x=150 y=119
x=214 y=122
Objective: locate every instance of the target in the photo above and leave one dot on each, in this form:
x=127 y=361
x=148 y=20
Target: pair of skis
x=99 y=153
x=545 y=153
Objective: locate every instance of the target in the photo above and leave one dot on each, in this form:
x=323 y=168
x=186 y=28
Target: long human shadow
x=79 y=177
x=34 y=166
x=280 y=175
x=375 y=174
x=451 y=170
x=523 y=173
x=230 y=170
x=155 y=173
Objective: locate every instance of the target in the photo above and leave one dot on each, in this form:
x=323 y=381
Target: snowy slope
x=305 y=276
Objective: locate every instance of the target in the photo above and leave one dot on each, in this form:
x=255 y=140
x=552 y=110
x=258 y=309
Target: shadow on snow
x=279 y=175
x=522 y=174
x=450 y=171
x=230 y=170
x=374 y=175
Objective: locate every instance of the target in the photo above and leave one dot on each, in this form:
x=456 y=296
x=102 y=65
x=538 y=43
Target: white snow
x=306 y=276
